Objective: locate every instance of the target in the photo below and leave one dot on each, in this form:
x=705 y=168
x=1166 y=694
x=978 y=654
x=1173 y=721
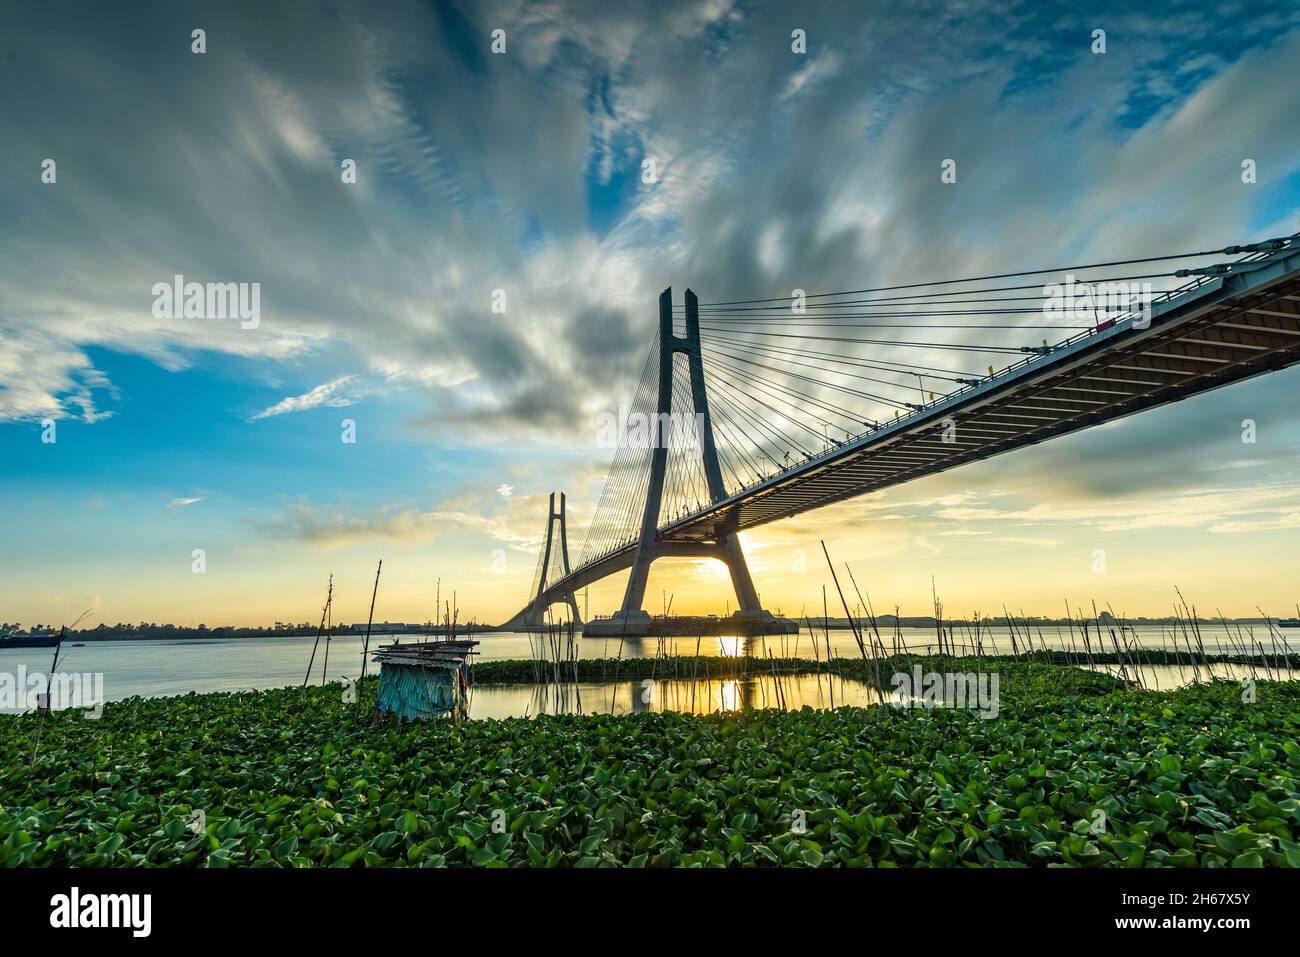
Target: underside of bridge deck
x=1189 y=350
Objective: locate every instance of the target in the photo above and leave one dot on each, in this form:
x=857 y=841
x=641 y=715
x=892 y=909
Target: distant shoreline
x=225 y=634
x=401 y=630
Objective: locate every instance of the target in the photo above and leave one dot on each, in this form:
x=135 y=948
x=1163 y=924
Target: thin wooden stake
x=365 y=648
x=312 y=661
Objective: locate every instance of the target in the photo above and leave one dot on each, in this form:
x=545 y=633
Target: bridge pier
x=632 y=618
x=533 y=616
x=722 y=542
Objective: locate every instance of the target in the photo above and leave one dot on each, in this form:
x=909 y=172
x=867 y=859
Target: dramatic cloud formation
x=520 y=172
x=489 y=280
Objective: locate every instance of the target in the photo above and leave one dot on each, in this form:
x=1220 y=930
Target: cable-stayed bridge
x=750 y=411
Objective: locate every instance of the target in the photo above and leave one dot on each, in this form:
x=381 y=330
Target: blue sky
x=522 y=172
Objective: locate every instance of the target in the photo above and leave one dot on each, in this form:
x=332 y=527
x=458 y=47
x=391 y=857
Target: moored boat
x=29 y=640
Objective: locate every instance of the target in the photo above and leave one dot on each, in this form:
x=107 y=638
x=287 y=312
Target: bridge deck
x=1229 y=329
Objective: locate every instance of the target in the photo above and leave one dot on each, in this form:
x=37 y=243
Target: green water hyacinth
x=1074 y=771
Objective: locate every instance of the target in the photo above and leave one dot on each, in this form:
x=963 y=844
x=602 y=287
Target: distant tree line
x=147 y=629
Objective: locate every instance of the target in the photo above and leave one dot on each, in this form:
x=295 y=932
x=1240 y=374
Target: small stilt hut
x=425 y=679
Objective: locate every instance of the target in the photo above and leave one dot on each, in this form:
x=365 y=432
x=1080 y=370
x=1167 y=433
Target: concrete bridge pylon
x=533 y=616
x=631 y=618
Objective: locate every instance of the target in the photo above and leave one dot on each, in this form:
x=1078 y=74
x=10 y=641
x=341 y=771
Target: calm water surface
x=156 y=668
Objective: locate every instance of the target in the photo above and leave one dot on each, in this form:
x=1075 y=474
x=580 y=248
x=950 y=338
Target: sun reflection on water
x=729 y=695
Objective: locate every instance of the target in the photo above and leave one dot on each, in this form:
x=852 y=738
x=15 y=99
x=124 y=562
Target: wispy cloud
x=336 y=525
x=324 y=394
x=1218 y=509
x=180 y=502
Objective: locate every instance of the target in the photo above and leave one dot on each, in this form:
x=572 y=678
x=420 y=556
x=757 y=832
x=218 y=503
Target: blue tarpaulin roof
x=426 y=679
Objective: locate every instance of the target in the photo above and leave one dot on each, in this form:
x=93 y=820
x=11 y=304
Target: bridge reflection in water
x=686 y=695
x=750 y=693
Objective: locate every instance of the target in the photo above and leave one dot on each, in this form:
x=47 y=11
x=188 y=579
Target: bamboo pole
x=875 y=665
x=365 y=648
x=312 y=661
x=329 y=634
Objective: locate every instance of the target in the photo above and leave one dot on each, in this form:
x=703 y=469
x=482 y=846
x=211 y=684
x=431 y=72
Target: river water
x=156 y=668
